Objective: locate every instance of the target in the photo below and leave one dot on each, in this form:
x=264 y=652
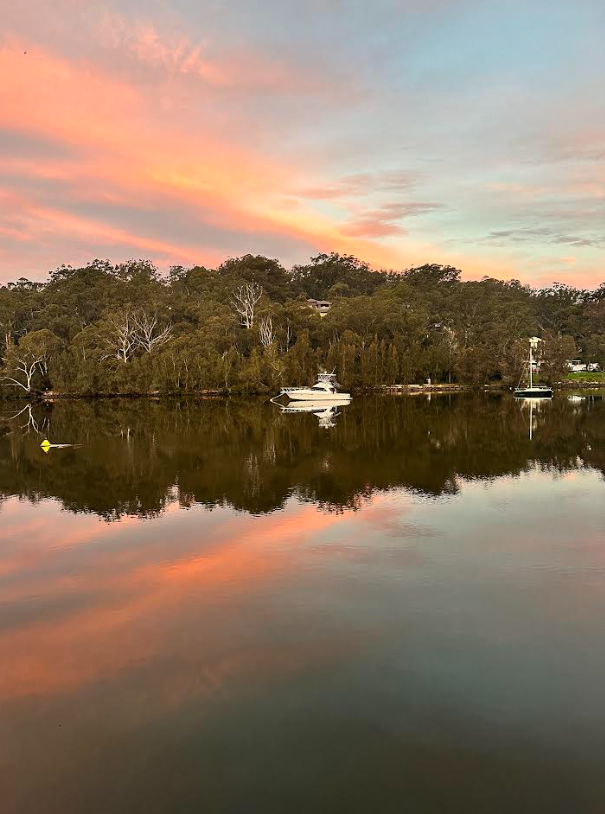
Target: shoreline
x=386 y=389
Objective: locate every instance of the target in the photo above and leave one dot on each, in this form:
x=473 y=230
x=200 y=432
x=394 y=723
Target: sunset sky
x=469 y=132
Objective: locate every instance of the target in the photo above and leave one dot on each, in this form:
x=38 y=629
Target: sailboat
x=534 y=391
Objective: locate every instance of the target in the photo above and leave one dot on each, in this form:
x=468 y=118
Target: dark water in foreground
x=214 y=607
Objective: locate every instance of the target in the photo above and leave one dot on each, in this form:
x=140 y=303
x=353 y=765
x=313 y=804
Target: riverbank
x=411 y=389
x=394 y=389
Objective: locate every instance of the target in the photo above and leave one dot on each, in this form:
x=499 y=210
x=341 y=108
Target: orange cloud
x=152 y=139
x=119 y=150
x=116 y=631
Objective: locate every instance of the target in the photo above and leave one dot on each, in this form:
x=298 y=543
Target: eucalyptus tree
x=27 y=363
x=245 y=299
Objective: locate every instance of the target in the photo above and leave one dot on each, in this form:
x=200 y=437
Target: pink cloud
x=111 y=633
x=126 y=115
x=84 y=110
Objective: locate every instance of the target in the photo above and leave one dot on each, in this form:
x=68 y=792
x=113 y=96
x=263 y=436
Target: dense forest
x=247 y=326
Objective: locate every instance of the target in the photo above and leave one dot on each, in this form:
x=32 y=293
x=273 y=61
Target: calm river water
x=217 y=607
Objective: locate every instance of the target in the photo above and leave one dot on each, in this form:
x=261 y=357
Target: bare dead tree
x=268 y=339
x=122 y=336
x=265 y=332
x=148 y=333
x=28 y=366
x=245 y=300
x=289 y=336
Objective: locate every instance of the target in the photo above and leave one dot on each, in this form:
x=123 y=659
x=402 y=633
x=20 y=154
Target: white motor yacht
x=324 y=389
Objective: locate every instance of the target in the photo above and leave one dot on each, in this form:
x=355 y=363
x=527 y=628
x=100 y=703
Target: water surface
x=218 y=607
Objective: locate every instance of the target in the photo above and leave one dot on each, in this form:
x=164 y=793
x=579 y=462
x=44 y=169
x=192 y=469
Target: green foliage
x=334 y=275
x=127 y=329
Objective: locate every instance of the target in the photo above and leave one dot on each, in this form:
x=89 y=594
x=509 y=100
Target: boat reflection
x=325 y=412
x=534 y=406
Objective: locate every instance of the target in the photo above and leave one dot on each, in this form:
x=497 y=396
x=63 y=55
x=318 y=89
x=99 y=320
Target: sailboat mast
x=531 y=366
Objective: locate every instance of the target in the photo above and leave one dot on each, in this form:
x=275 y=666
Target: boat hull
x=309 y=395
x=533 y=393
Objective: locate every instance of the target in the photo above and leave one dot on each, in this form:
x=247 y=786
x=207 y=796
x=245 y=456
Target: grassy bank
x=592 y=378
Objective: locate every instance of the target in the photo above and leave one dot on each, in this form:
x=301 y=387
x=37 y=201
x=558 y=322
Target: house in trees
x=578 y=366
x=321 y=306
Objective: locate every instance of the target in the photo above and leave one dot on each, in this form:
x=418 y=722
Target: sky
x=466 y=132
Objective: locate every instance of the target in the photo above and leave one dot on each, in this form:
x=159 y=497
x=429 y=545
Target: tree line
x=247 y=326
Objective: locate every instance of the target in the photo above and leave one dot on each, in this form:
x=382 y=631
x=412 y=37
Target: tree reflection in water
x=137 y=456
